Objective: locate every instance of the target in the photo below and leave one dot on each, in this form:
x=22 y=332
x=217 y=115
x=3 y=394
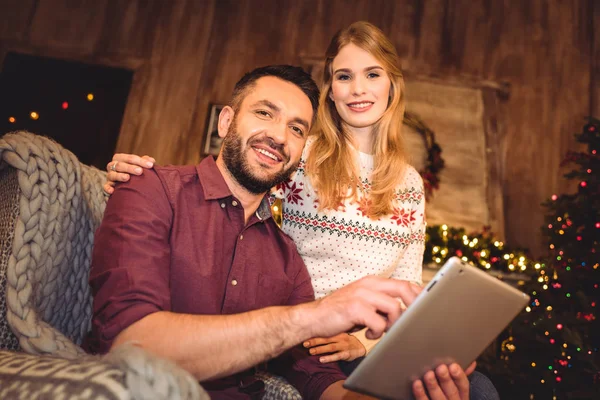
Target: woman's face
x=360 y=87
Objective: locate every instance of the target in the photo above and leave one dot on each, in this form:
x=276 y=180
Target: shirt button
x=241 y=237
x=234 y=282
x=222 y=205
x=234 y=203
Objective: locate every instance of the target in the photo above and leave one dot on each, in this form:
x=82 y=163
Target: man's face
x=264 y=139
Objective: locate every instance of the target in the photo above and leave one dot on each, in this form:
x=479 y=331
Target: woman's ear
x=226 y=117
x=331 y=95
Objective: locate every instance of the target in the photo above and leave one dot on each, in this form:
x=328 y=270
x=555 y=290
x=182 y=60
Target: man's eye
x=299 y=131
x=263 y=113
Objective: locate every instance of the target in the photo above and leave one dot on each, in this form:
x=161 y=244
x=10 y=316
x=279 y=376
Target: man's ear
x=225 y=120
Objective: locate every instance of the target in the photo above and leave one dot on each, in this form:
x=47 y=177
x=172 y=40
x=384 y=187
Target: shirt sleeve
x=410 y=265
x=302 y=370
x=129 y=276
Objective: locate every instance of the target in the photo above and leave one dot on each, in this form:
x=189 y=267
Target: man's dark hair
x=289 y=73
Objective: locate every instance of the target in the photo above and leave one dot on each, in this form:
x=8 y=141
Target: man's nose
x=278 y=133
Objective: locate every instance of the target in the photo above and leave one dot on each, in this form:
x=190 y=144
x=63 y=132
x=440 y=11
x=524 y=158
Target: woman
x=354 y=207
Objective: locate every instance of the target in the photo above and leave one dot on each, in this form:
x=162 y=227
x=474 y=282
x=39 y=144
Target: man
x=189 y=264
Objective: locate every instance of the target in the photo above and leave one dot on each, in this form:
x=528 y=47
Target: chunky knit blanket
x=61 y=205
x=49 y=217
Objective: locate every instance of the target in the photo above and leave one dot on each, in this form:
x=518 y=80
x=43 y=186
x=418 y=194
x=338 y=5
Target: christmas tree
x=551 y=350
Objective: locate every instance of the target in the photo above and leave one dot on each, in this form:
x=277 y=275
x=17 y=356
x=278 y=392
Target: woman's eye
x=343 y=77
x=372 y=75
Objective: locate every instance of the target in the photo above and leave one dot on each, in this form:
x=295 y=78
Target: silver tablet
x=458 y=314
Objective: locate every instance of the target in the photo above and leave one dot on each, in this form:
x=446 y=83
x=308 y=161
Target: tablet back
x=454 y=319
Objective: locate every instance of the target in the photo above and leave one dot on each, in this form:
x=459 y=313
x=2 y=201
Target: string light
x=90 y=96
x=65 y=105
x=12 y=120
x=34 y=115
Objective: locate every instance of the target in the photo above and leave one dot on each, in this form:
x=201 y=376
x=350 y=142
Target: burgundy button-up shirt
x=174 y=239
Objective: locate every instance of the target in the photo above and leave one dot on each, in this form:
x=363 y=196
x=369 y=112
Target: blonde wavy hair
x=331 y=162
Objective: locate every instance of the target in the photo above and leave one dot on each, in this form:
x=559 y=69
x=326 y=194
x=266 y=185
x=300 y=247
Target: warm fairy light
x=543 y=381
x=465 y=259
x=438 y=260
x=552 y=246
x=436 y=249
x=561 y=232
x=545 y=287
x=537 y=266
x=549 y=308
x=65 y=105
x=546 y=333
x=559 y=219
x=565 y=345
x=559 y=326
x=506 y=256
x=488 y=266
x=444 y=227
x=443 y=252
x=90 y=96
x=497 y=243
x=533 y=364
x=554 y=197
x=12 y=120
x=34 y=116
x=540 y=279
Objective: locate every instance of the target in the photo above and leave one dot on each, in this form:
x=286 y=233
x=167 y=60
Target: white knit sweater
x=341 y=246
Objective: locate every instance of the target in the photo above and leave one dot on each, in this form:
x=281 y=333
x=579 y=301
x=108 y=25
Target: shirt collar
x=215 y=187
x=213 y=183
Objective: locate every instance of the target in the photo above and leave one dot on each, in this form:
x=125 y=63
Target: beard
x=237 y=164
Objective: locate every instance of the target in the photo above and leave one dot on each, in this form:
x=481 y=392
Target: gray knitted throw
x=61 y=205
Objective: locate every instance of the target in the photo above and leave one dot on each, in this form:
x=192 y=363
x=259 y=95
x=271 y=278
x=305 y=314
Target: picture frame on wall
x=212 y=141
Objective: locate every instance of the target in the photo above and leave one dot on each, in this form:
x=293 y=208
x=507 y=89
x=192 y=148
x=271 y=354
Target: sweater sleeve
x=410 y=264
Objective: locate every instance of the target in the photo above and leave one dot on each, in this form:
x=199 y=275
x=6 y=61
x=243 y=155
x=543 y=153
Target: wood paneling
x=189 y=53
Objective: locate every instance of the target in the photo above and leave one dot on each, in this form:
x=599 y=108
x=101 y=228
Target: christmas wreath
x=435 y=162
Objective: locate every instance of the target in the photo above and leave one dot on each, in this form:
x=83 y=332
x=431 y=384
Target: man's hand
x=370 y=302
x=445 y=383
x=124 y=165
x=343 y=347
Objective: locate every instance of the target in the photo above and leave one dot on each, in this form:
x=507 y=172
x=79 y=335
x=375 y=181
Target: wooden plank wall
x=189 y=53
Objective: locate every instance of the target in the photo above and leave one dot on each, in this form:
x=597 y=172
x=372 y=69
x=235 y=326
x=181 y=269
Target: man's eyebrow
x=302 y=122
x=266 y=103
x=275 y=108
x=348 y=70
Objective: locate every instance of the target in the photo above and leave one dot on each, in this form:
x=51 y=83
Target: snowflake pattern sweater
x=341 y=246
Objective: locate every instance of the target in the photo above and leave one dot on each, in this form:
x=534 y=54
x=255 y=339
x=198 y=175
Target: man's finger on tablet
x=471 y=368
x=433 y=387
x=419 y=390
x=446 y=382
x=461 y=381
